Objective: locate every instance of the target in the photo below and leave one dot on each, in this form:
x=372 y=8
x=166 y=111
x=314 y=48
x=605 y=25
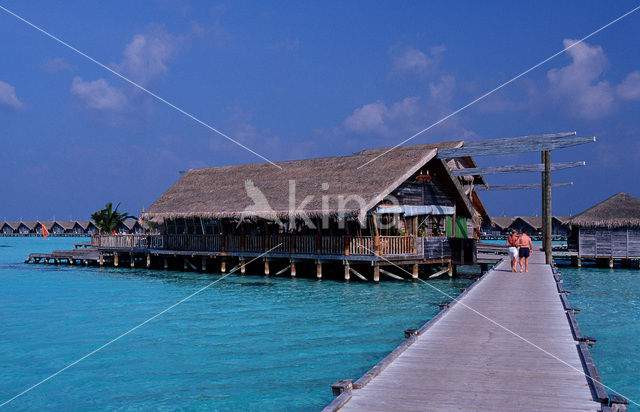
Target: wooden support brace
x=442 y=272
x=281 y=271
x=391 y=275
x=355 y=272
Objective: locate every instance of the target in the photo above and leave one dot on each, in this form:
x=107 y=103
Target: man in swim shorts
x=512 y=245
x=526 y=248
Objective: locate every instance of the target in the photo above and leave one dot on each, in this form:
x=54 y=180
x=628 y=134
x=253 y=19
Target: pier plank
x=466 y=362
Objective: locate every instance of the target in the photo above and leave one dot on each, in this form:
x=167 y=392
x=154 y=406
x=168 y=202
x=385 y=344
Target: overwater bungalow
x=532 y=224
x=609 y=230
x=405 y=208
x=497 y=225
x=559 y=226
x=9 y=228
x=87 y=227
x=25 y=228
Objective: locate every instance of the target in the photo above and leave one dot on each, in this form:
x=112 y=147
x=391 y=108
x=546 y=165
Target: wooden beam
x=391 y=275
x=523 y=145
x=497 y=170
x=505 y=142
x=521 y=186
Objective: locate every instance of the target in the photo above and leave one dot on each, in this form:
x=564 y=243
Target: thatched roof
x=533 y=221
x=223 y=191
x=30 y=225
x=502 y=222
x=84 y=224
x=12 y=225
x=66 y=224
x=620 y=210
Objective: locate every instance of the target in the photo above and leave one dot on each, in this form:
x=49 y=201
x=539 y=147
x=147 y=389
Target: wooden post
x=148 y=260
x=266 y=267
x=546 y=224
x=133 y=260
x=414 y=272
x=318 y=270
x=450 y=270
x=376 y=234
x=579 y=262
x=204 y=263
x=347 y=274
x=376 y=272
x=610 y=263
x=115 y=259
x=101 y=259
x=165 y=262
x=223 y=266
x=184 y=262
x=243 y=267
x=293 y=269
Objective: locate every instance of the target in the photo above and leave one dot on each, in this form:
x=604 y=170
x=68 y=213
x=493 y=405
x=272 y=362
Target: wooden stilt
x=86 y=262
x=293 y=269
x=347 y=274
x=165 y=262
x=318 y=270
x=133 y=260
x=148 y=260
x=450 y=270
x=115 y=259
x=414 y=271
x=101 y=259
x=376 y=272
x=223 y=266
x=184 y=262
x=204 y=263
x=610 y=263
x=243 y=267
x=266 y=267
x=579 y=262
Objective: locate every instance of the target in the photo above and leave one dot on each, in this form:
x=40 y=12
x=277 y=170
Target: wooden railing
x=281 y=243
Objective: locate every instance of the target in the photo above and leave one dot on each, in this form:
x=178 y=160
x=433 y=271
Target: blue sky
x=300 y=79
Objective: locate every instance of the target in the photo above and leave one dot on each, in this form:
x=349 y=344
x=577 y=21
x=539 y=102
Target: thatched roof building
x=318 y=185
x=620 y=210
x=501 y=222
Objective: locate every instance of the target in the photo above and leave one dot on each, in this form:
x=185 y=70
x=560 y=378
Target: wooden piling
x=579 y=262
x=203 y=264
x=101 y=259
x=165 y=262
x=376 y=272
x=115 y=259
x=318 y=270
x=133 y=260
x=450 y=270
x=243 y=267
x=347 y=274
x=266 y=267
x=293 y=269
x=148 y=260
x=414 y=271
x=223 y=266
x=184 y=262
x=610 y=263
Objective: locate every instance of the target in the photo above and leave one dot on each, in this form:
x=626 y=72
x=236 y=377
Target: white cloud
x=629 y=89
x=57 y=64
x=442 y=92
x=98 y=94
x=378 y=119
x=578 y=84
x=145 y=57
x=8 y=96
x=411 y=60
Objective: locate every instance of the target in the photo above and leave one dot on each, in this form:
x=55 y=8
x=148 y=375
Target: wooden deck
x=460 y=361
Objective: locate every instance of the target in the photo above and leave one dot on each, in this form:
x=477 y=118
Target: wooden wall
x=426 y=193
x=604 y=242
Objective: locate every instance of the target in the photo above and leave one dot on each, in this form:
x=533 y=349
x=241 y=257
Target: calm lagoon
x=246 y=343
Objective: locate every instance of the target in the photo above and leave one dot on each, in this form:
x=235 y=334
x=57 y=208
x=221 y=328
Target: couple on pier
x=520 y=248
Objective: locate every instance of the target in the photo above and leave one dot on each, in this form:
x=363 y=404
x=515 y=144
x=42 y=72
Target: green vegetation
x=108 y=219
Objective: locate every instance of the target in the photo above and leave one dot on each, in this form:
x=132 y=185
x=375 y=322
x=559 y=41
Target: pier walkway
x=460 y=361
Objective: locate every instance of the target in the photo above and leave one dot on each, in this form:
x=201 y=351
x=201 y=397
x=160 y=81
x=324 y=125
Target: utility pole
x=546 y=206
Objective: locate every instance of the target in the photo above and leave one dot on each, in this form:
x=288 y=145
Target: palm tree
x=109 y=220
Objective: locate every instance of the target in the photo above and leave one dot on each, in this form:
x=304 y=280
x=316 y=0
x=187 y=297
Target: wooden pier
x=460 y=360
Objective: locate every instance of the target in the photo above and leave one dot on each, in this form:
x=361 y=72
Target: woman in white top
x=512 y=243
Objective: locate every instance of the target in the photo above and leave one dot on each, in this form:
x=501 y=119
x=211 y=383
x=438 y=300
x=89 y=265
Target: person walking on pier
x=512 y=244
x=526 y=248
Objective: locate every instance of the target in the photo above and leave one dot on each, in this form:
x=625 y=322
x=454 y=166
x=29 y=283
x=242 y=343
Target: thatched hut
x=532 y=224
x=497 y=225
x=610 y=229
x=25 y=228
x=407 y=192
x=9 y=228
x=88 y=227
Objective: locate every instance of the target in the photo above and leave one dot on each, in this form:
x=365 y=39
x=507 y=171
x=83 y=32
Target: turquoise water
x=609 y=300
x=246 y=343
